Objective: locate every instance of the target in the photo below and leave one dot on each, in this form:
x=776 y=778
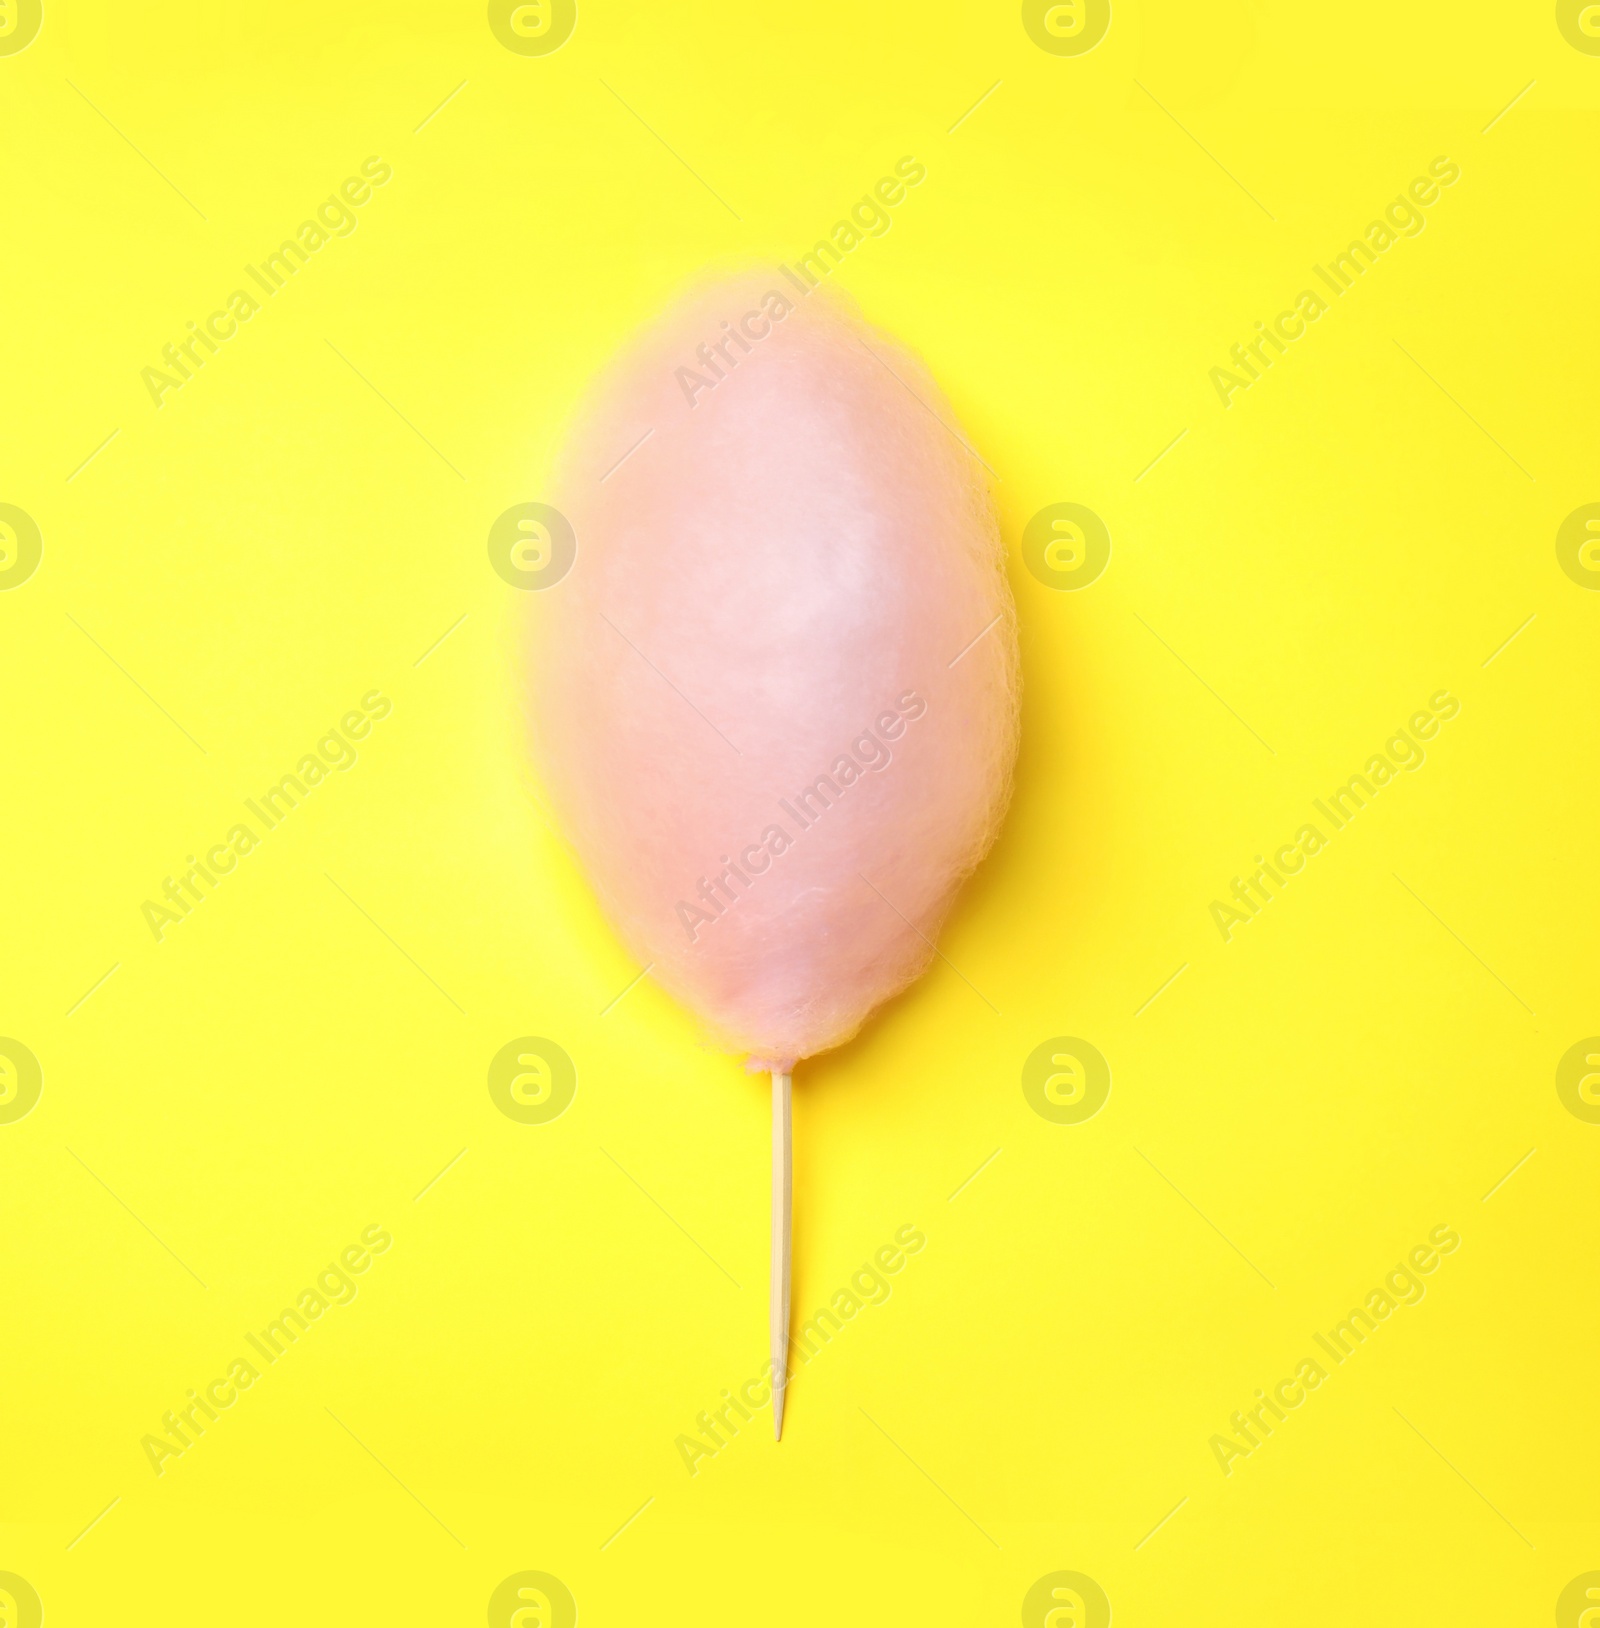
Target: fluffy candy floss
x=775 y=697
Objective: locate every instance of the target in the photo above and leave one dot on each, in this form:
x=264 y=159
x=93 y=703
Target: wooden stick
x=782 y=1186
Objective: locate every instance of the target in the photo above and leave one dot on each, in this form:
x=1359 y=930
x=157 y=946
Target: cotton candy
x=774 y=700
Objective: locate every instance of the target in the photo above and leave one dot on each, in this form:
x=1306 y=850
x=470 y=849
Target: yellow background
x=308 y=1050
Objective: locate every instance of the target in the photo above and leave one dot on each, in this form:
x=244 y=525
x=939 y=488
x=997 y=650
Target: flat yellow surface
x=284 y=554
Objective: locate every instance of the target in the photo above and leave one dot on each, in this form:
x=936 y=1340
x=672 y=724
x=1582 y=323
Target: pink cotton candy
x=775 y=697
